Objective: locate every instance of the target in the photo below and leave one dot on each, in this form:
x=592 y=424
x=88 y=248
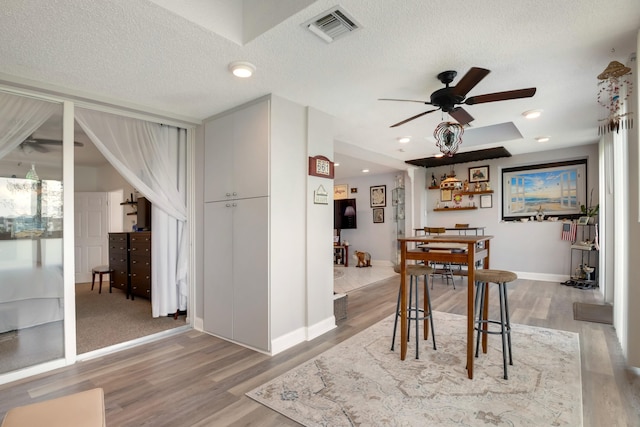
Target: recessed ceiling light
x=336 y=164
x=404 y=139
x=543 y=139
x=365 y=170
x=437 y=156
x=242 y=69
x=532 y=114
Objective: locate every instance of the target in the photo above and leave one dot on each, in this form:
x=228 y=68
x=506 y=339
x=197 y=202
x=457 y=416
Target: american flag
x=569 y=231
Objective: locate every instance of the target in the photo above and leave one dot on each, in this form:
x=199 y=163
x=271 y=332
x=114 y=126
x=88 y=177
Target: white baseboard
x=321 y=327
x=287 y=341
x=542 y=277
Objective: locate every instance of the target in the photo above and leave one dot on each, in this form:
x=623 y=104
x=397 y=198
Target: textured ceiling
x=141 y=53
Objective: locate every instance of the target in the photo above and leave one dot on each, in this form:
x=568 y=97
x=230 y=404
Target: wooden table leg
x=403 y=301
x=470 y=306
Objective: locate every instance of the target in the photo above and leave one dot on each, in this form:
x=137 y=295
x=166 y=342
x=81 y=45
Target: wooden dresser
x=130 y=261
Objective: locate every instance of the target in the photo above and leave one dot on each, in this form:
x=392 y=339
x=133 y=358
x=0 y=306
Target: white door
x=91 y=233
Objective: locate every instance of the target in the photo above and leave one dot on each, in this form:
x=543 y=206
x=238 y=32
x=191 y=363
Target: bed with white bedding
x=30 y=297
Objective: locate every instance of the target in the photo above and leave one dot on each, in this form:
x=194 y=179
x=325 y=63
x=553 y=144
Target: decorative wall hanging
x=321 y=166
x=615 y=86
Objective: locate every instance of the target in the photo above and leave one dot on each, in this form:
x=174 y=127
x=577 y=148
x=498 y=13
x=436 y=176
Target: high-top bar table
x=477 y=249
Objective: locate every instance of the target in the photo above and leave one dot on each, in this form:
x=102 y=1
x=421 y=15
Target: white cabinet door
x=251 y=272
x=236 y=273
x=237 y=154
x=251 y=151
x=218 y=273
x=218 y=159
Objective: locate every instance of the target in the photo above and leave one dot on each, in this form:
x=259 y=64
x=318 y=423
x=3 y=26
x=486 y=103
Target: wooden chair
x=442 y=269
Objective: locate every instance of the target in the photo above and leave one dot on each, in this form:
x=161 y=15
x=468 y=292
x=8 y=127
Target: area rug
x=360 y=382
x=599 y=313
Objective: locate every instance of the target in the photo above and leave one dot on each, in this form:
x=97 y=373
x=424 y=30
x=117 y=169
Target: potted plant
x=590 y=211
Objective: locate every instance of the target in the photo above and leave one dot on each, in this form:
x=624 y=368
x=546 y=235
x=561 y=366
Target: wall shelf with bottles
x=462 y=208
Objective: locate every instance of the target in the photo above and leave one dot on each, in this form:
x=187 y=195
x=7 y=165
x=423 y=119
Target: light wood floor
x=194 y=379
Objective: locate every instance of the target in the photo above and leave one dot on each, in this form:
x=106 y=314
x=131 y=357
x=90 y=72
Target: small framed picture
x=378 y=215
x=479 y=174
x=354 y=190
x=486 y=201
x=446 y=195
x=340 y=191
x=583 y=220
x=378 y=196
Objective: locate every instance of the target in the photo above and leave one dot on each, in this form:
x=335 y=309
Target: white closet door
x=218 y=159
x=251 y=272
x=251 y=151
x=91 y=235
x=218 y=274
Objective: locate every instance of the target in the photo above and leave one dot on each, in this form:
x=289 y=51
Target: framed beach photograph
x=479 y=174
x=557 y=189
x=378 y=196
x=378 y=215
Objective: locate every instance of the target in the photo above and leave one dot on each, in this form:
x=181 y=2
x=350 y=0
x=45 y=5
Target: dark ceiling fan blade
x=414 y=117
x=37 y=147
x=501 y=96
x=54 y=142
x=461 y=115
x=469 y=81
x=405 y=100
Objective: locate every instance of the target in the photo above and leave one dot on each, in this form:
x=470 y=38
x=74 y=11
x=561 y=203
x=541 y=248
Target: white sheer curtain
x=149 y=156
x=20 y=116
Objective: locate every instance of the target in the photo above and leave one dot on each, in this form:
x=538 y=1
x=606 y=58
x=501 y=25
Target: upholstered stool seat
x=501 y=278
x=413 y=310
x=84 y=409
x=100 y=270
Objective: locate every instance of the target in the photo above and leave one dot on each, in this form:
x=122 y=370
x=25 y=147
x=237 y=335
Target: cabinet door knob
x=235 y=194
x=228 y=194
x=228 y=205
x=234 y=205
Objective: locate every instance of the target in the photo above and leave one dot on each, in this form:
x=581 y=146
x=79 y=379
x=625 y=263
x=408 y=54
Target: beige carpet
x=106 y=319
x=598 y=313
x=361 y=382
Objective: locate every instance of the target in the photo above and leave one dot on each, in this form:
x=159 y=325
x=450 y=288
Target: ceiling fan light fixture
x=532 y=114
x=32 y=175
x=242 y=69
x=543 y=139
x=448 y=137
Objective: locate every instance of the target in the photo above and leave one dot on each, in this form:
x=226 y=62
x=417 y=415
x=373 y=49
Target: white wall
x=288 y=216
x=533 y=250
x=319 y=229
x=627 y=299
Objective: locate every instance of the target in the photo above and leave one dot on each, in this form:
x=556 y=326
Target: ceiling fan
x=449 y=98
x=40 y=145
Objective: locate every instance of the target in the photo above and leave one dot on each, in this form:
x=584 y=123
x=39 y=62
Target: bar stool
x=102 y=269
x=501 y=278
x=413 y=311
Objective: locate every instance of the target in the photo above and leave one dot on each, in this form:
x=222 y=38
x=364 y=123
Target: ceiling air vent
x=332 y=24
